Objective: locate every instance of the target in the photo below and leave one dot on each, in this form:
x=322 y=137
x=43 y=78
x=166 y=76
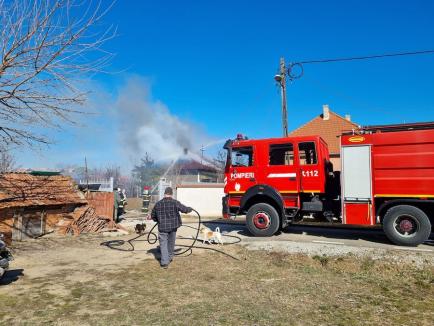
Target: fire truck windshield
x=242 y=156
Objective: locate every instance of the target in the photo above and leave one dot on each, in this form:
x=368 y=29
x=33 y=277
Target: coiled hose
x=152 y=238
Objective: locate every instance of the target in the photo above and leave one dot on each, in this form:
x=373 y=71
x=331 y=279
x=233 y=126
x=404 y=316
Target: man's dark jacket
x=166 y=214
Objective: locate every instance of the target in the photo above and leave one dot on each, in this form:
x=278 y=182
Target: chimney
x=347 y=117
x=325 y=112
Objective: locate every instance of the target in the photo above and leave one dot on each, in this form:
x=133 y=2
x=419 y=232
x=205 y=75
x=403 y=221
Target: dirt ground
x=134 y=204
x=77 y=281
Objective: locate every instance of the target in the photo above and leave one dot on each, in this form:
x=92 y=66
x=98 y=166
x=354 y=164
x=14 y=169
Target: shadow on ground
x=374 y=235
x=155 y=252
x=11 y=276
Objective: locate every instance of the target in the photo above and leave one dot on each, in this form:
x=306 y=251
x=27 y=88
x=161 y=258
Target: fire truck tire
x=262 y=220
x=406 y=225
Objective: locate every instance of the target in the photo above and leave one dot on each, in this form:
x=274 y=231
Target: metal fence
x=99 y=184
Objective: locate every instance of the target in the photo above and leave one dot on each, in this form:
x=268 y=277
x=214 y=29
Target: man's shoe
x=165 y=266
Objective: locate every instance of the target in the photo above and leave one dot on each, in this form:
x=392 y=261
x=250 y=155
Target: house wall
x=336 y=161
x=205 y=198
x=193 y=178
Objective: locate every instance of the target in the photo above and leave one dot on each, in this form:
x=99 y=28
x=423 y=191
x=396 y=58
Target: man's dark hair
x=168 y=191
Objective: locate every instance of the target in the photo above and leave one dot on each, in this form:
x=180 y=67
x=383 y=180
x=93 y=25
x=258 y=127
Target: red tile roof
x=23 y=189
x=329 y=130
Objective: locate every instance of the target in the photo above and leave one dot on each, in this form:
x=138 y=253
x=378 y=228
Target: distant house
x=329 y=126
x=191 y=171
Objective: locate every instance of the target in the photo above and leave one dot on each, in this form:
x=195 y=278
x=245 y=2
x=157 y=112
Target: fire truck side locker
x=356 y=181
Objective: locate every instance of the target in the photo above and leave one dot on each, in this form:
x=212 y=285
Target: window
x=281 y=154
x=242 y=156
x=307 y=153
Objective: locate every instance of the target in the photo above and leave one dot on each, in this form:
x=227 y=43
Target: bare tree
x=46 y=47
x=220 y=163
x=7 y=162
x=147 y=172
x=114 y=172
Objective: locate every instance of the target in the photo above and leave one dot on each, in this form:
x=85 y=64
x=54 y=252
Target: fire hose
x=152 y=238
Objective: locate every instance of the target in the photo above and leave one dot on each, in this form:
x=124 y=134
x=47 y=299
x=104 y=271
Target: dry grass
x=210 y=289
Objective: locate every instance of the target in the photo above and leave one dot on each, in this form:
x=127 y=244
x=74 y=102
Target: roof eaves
x=342 y=118
x=305 y=124
x=319 y=117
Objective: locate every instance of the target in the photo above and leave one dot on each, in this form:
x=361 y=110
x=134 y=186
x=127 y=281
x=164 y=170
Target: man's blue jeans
x=167 y=246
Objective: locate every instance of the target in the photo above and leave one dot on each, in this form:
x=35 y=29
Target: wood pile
x=85 y=220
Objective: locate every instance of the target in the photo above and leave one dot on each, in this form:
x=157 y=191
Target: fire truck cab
x=387 y=178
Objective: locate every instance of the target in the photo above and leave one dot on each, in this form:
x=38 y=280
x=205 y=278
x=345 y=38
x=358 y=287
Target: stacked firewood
x=84 y=220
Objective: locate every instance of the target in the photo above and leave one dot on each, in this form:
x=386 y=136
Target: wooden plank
x=18 y=225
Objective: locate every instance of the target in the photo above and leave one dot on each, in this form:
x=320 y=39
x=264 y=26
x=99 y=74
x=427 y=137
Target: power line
x=377 y=56
x=298 y=65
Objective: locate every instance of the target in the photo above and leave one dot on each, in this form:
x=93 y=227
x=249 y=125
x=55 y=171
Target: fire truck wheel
x=262 y=220
x=406 y=225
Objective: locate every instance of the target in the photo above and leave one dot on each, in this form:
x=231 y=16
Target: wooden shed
x=33 y=204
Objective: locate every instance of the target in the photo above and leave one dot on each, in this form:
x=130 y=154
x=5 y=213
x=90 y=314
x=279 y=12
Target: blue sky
x=211 y=64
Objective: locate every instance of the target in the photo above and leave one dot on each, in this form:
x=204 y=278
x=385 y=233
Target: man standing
x=166 y=214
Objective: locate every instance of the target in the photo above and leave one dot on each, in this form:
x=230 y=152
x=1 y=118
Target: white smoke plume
x=147 y=125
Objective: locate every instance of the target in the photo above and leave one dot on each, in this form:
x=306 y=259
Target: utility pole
x=202 y=149
x=87 y=175
x=281 y=79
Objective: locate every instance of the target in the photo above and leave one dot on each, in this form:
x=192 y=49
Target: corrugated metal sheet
x=103 y=202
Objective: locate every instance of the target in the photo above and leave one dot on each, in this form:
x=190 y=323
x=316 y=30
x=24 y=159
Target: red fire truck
x=387 y=179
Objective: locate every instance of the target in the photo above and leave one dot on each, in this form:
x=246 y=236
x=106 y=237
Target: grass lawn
x=211 y=289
